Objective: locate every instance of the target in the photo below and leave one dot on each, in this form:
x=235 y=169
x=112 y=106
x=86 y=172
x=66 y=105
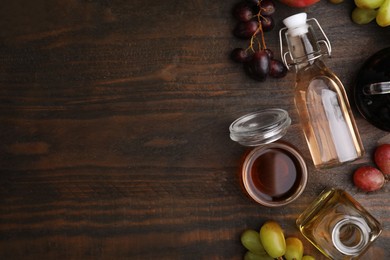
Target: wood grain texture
x=114 y=121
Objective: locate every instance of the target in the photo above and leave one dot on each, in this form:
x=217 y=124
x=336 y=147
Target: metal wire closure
x=325 y=42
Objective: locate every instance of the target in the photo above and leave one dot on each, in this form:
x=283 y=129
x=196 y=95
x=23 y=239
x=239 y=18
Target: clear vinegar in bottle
x=320 y=98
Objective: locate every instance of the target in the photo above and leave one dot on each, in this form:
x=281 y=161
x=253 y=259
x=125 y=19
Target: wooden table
x=114 y=129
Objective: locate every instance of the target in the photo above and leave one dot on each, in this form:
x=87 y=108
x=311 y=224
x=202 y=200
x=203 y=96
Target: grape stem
x=261 y=45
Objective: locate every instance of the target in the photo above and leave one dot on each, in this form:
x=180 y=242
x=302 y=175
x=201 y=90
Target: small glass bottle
x=338 y=225
x=321 y=101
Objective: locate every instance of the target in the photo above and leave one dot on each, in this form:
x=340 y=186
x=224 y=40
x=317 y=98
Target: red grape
x=258 y=67
x=240 y=55
x=368 y=178
x=277 y=69
x=270 y=53
x=267 y=22
x=382 y=158
x=245 y=30
x=243 y=12
x=267 y=7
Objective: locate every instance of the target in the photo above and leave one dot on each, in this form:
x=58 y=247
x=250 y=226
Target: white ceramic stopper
x=296 y=24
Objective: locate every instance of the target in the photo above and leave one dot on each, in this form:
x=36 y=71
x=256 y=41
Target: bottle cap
x=296 y=24
x=260 y=127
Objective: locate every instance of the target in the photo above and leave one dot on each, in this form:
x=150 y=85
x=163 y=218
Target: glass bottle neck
x=351 y=235
x=304 y=48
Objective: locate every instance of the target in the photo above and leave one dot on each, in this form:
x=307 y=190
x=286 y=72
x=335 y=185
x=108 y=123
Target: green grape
x=250 y=239
x=368 y=4
x=383 y=16
x=294 y=249
x=251 y=256
x=308 y=257
x=363 y=16
x=272 y=238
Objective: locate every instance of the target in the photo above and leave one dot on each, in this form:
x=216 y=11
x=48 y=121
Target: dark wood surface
x=114 y=129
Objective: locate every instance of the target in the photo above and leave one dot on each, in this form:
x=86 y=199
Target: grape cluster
x=366 y=11
x=254 y=18
x=270 y=243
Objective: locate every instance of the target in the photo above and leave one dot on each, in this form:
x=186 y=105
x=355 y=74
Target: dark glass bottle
x=372 y=89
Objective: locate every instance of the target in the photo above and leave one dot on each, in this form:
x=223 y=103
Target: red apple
x=299 y=3
x=382 y=158
x=368 y=178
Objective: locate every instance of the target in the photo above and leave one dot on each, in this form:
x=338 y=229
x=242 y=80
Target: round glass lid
x=260 y=127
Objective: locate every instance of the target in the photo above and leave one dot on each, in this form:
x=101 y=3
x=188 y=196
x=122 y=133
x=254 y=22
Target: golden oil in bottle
x=338 y=226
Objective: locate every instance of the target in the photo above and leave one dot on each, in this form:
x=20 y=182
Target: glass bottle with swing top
x=320 y=98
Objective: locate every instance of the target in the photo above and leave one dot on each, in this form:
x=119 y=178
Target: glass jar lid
x=259 y=128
